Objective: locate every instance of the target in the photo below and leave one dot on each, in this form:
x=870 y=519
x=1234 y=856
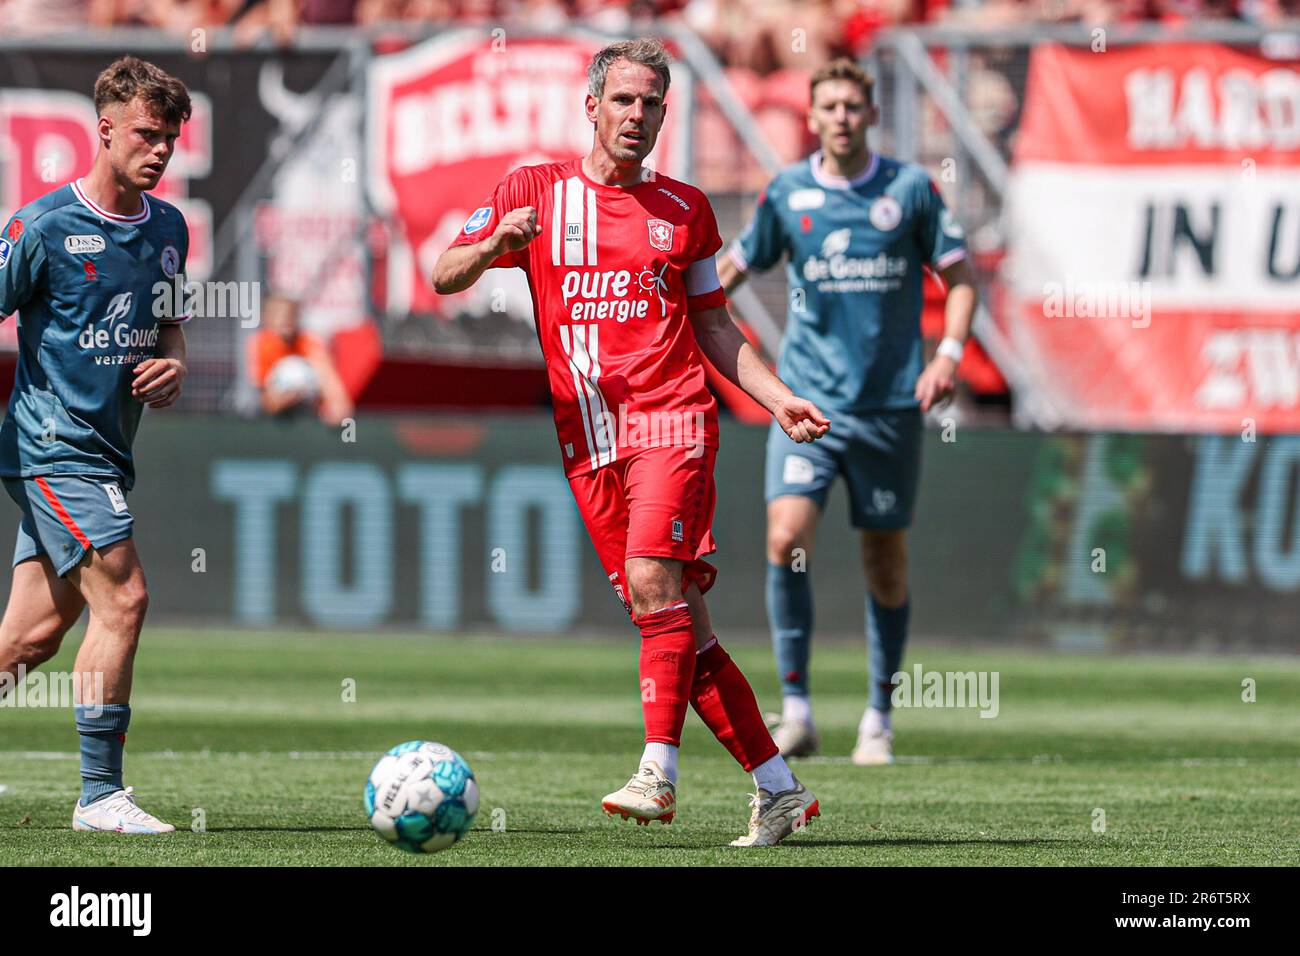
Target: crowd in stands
x=759 y=35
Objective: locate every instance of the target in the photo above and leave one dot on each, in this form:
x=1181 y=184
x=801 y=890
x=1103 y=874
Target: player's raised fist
x=801 y=419
x=516 y=229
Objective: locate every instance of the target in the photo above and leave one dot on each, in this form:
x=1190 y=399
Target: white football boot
x=874 y=747
x=794 y=738
x=649 y=795
x=774 y=816
x=117 y=813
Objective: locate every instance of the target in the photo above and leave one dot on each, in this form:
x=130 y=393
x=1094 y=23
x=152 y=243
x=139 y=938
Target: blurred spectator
x=292 y=369
x=759 y=35
x=61 y=16
x=866 y=18
x=769 y=35
x=1269 y=12
x=48 y=16
x=283 y=17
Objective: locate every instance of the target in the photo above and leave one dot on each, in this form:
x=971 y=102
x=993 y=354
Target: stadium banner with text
x=1091 y=542
x=308 y=220
x=447 y=119
x=1153 y=216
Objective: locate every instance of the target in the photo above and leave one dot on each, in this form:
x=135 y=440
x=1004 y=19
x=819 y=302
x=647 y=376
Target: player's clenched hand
x=158 y=381
x=801 y=419
x=937 y=383
x=516 y=229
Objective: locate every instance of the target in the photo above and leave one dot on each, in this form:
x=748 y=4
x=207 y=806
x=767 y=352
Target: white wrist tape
x=951 y=348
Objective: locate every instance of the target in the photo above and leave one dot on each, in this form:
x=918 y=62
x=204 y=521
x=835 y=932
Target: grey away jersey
x=856 y=250
x=84 y=283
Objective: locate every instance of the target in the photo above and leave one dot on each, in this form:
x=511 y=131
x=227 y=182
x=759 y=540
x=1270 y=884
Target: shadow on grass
x=28 y=828
x=357 y=829
x=814 y=844
x=365 y=829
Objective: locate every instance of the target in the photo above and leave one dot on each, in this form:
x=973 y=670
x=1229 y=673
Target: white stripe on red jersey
x=608 y=276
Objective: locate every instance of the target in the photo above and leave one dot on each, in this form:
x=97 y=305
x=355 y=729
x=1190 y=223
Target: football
x=293 y=373
x=421 y=797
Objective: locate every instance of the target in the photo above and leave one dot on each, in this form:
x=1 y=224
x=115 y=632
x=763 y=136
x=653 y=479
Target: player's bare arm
x=158 y=381
x=726 y=347
x=939 y=379
x=459 y=267
x=730 y=275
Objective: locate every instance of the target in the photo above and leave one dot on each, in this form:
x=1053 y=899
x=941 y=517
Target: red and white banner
x=1154 y=226
x=449 y=118
x=48 y=139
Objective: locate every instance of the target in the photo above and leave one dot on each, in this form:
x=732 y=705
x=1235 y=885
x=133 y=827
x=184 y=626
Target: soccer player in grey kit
x=857 y=229
x=82 y=266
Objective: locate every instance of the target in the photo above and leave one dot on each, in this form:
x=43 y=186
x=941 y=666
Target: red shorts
x=655 y=503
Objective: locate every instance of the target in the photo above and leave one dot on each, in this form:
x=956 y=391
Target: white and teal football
x=421 y=797
x=293 y=373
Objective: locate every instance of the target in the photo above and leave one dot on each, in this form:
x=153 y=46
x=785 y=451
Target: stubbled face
x=140 y=143
x=839 y=116
x=629 y=114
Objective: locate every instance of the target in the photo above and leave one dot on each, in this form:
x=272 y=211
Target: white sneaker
x=774 y=816
x=649 y=795
x=794 y=738
x=117 y=814
x=874 y=748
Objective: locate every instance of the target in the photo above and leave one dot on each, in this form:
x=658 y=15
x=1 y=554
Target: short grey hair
x=647 y=51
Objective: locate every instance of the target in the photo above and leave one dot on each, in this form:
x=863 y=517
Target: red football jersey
x=612 y=285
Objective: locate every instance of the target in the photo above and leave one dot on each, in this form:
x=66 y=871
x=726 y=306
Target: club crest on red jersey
x=661 y=234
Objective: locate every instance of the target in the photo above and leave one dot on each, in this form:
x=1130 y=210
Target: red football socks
x=725 y=702
x=667 y=668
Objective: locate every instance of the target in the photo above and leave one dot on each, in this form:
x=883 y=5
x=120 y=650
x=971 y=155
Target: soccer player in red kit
x=628 y=305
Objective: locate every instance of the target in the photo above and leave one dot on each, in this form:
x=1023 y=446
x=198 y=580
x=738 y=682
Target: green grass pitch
x=250 y=732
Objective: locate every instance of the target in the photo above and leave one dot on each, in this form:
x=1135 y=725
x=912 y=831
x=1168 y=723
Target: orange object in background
x=354 y=352
x=266 y=348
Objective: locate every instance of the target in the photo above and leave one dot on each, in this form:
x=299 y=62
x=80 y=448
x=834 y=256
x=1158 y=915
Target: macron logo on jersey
x=478 y=220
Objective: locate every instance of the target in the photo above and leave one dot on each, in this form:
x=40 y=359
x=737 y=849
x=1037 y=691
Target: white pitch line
x=1045 y=759
x=1039 y=759
x=268 y=754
